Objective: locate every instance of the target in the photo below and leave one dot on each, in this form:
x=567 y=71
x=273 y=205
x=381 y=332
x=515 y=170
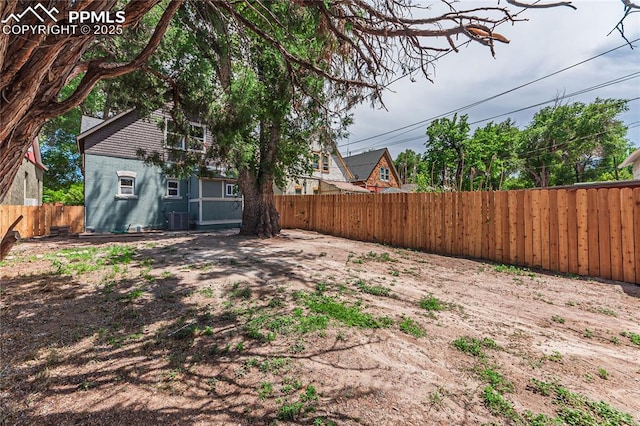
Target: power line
x=471 y=105
x=578 y=92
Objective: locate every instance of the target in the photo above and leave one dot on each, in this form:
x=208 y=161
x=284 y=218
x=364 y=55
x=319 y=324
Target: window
x=325 y=163
x=298 y=190
x=315 y=161
x=317 y=158
x=315 y=190
x=193 y=140
x=173 y=188
x=126 y=184
x=384 y=174
x=231 y=190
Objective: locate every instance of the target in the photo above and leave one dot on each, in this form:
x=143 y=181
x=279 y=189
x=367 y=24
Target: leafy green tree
x=490 y=156
x=570 y=143
x=447 y=141
x=409 y=165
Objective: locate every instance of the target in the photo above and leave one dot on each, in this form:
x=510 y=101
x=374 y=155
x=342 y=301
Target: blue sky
x=550 y=39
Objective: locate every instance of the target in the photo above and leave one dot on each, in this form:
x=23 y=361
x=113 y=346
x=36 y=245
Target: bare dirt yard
x=214 y=328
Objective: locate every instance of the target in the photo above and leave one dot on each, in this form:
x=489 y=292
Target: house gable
x=122 y=135
x=366 y=167
x=634 y=161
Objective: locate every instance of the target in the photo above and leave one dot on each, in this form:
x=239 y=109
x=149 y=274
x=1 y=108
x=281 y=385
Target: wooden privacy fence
x=594 y=232
x=38 y=220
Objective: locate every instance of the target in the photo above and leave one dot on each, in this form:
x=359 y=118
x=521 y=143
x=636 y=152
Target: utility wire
x=471 y=105
x=579 y=92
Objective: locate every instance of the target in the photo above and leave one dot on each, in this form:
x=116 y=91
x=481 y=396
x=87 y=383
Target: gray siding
x=105 y=212
x=212 y=188
x=125 y=135
x=222 y=210
x=33 y=185
x=194 y=191
x=122 y=137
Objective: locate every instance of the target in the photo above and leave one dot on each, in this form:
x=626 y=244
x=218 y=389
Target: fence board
x=572 y=232
x=604 y=238
x=513 y=227
x=554 y=257
x=636 y=230
x=628 y=250
x=563 y=232
x=544 y=229
x=615 y=225
x=592 y=226
x=582 y=231
x=536 y=233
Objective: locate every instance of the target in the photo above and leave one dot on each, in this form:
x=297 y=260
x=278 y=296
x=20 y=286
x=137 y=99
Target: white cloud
x=550 y=40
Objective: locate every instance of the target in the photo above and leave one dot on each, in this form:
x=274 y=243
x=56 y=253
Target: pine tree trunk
x=259 y=216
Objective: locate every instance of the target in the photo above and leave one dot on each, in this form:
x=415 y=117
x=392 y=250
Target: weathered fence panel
x=38 y=220
x=583 y=231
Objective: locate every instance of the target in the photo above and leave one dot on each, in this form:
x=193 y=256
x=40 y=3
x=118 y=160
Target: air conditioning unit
x=178 y=221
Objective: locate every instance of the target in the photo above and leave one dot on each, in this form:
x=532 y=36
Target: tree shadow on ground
x=146 y=346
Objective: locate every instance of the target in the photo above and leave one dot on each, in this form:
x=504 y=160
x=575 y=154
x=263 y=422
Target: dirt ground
x=214 y=328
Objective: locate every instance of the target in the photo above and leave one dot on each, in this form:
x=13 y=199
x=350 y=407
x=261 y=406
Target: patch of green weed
x=375 y=290
x=409 y=326
x=473 y=346
x=349 y=315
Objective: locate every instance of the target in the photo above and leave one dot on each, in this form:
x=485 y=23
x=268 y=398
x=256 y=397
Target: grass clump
x=514 y=270
x=432 y=303
x=292 y=410
x=576 y=409
x=411 y=327
x=497 y=404
x=375 y=290
x=349 y=315
x=289 y=410
x=496 y=380
x=473 y=346
x=635 y=338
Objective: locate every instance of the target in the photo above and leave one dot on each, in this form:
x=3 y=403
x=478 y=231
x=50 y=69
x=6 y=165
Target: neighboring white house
x=633 y=160
x=330 y=175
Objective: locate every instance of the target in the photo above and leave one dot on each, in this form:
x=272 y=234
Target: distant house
x=330 y=175
x=27 y=185
x=373 y=170
x=633 y=160
x=122 y=193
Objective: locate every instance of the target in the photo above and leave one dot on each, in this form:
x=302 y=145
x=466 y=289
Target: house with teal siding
x=122 y=193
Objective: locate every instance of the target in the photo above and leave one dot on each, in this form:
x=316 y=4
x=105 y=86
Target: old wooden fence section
x=38 y=220
x=594 y=232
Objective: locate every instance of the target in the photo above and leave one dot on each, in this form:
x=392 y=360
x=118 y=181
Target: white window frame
x=182 y=146
x=230 y=190
x=126 y=176
x=384 y=174
x=168 y=193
